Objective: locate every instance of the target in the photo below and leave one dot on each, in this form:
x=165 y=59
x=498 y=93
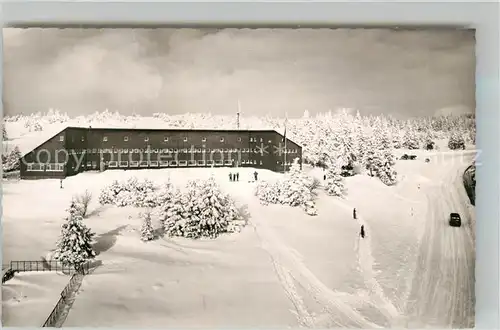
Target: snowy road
x=443 y=286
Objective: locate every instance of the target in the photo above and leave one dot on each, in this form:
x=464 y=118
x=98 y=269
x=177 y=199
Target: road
x=442 y=294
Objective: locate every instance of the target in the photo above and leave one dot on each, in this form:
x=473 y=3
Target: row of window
x=36 y=167
x=166 y=139
x=175 y=150
x=174 y=163
x=59 y=167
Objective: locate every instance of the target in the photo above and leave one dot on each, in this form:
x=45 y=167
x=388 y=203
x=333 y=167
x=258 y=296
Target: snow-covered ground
x=284 y=269
x=28 y=298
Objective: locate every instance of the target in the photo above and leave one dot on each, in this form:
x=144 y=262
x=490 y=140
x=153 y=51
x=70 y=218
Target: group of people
x=236 y=176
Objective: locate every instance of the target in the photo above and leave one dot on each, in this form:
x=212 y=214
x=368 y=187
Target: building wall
x=46 y=160
x=95 y=149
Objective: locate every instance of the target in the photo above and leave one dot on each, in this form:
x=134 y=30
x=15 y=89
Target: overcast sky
x=410 y=73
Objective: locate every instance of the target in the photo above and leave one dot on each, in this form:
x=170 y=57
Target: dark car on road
x=455 y=220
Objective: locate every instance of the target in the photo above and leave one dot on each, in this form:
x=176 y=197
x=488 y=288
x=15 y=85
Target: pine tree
x=456 y=141
x=386 y=172
x=4 y=133
x=75 y=244
x=147 y=232
x=334 y=184
x=410 y=140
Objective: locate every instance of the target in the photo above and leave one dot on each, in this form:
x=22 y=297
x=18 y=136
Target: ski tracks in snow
x=366 y=261
x=289 y=267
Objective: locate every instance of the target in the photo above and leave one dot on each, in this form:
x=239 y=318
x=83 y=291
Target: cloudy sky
x=80 y=71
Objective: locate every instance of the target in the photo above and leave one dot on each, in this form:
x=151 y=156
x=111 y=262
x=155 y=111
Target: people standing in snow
x=362 y=232
x=230 y=176
x=237 y=176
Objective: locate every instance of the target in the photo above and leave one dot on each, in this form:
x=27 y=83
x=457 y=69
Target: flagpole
x=284 y=151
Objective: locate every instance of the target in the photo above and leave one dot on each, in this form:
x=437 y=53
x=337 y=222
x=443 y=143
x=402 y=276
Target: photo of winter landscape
x=238 y=178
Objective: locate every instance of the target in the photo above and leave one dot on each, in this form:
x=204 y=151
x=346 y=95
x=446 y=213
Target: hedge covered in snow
x=202 y=210
x=132 y=192
x=296 y=189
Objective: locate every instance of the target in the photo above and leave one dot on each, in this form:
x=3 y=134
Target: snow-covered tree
x=11 y=160
x=147 y=232
x=410 y=139
x=75 y=244
x=335 y=185
x=456 y=141
x=203 y=211
x=386 y=172
x=296 y=189
x=4 y=133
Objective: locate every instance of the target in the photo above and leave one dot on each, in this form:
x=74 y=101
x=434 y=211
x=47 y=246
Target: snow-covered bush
x=75 y=244
x=456 y=141
x=334 y=184
x=147 y=231
x=133 y=192
x=82 y=201
x=296 y=189
x=11 y=160
x=202 y=211
x=410 y=140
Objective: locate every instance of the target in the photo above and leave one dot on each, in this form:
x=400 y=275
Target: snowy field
x=233 y=279
x=285 y=269
x=28 y=298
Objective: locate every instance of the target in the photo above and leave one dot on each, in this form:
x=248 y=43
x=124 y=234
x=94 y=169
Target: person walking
x=237 y=176
x=255 y=175
x=354 y=213
x=230 y=176
x=362 y=232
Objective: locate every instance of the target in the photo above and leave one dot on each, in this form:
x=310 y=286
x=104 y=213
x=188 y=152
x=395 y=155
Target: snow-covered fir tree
x=203 y=211
x=147 y=231
x=75 y=244
x=11 y=160
x=456 y=141
x=334 y=184
x=4 y=133
x=410 y=139
x=297 y=190
x=386 y=172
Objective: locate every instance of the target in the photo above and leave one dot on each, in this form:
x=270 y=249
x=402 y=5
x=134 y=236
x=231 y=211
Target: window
x=192 y=163
x=165 y=139
x=239 y=139
x=94 y=164
x=104 y=138
x=154 y=163
x=261 y=162
x=201 y=163
x=173 y=163
x=89 y=164
x=61 y=138
x=123 y=163
x=228 y=162
x=113 y=163
x=269 y=141
x=261 y=140
x=163 y=163
x=144 y=163
x=134 y=164
x=185 y=139
x=125 y=138
x=182 y=163
x=218 y=163
x=204 y=139
x=221 y=139
x=176 y=150
x=59 y=167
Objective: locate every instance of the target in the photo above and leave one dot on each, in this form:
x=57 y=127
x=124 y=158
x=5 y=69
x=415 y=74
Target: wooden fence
x=47 y=266
x=74 y=284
